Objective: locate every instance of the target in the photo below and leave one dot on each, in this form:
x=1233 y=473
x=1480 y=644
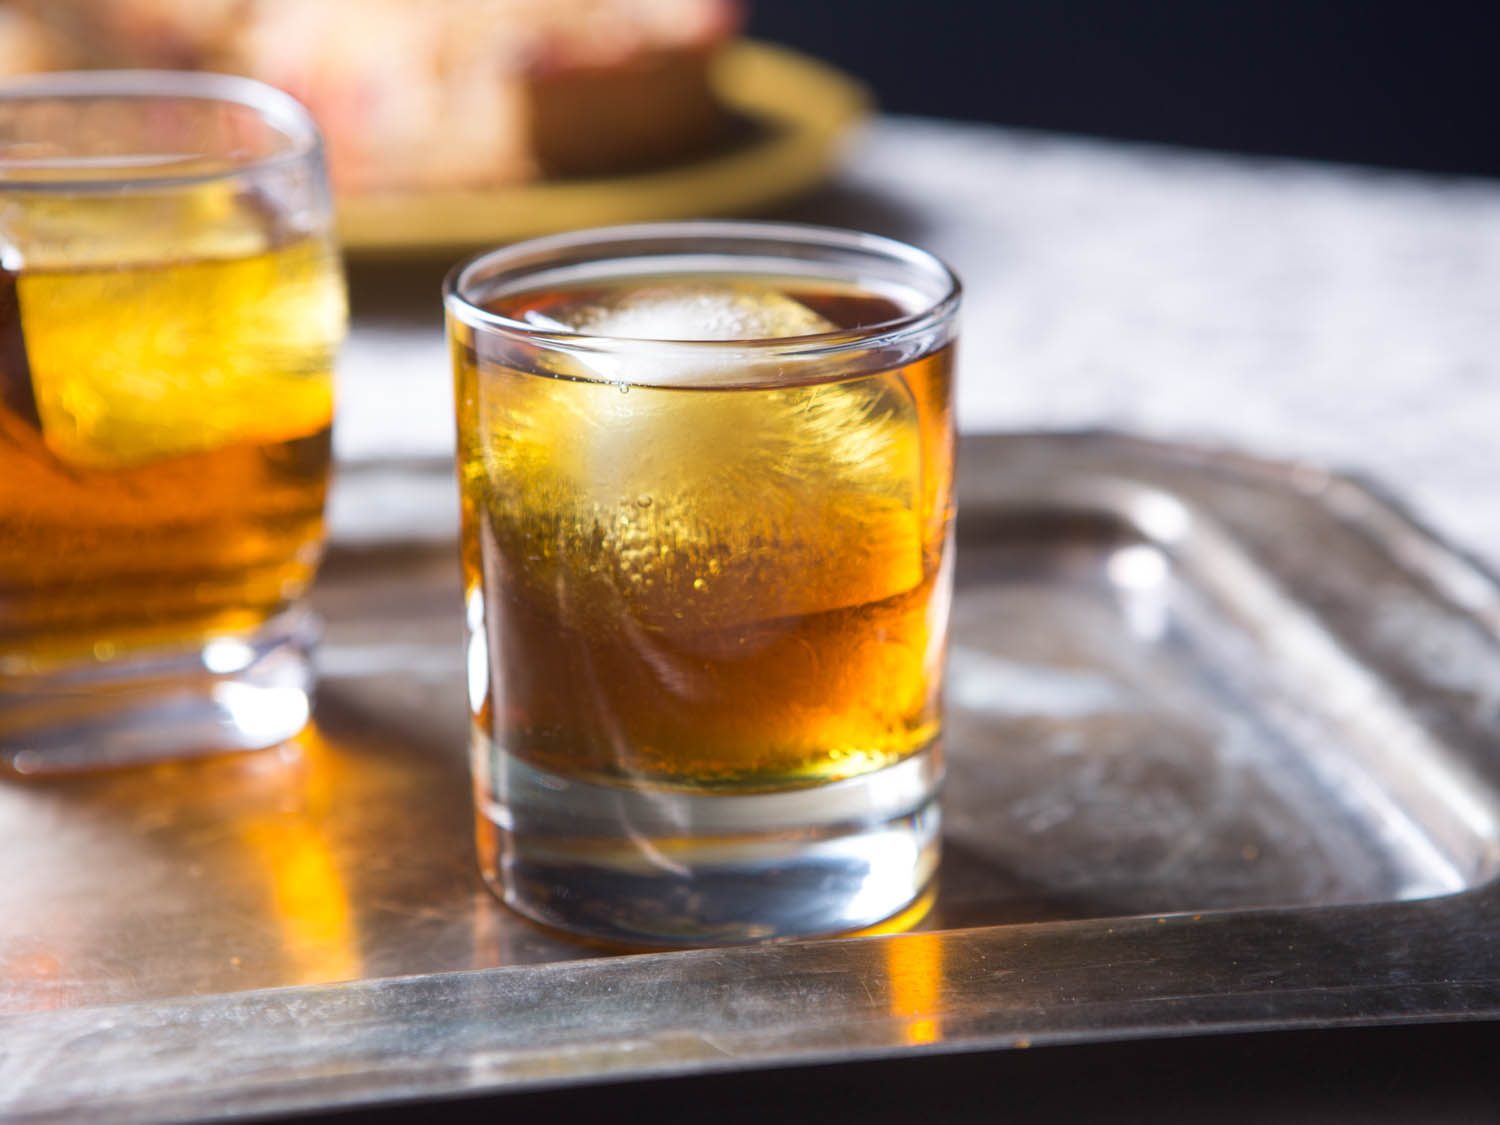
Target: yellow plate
x=803 y=110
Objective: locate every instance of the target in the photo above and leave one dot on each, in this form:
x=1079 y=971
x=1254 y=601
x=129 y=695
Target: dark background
x=1366 y=81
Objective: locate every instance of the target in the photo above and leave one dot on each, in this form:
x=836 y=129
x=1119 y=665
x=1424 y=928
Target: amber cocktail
x=707 y=486
x=170 y=305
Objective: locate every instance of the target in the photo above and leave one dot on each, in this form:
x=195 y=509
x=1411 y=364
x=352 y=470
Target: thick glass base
x=660 y=867
x=232 y=693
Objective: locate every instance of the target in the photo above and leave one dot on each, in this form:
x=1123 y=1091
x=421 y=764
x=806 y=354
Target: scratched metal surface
x=1224 y=750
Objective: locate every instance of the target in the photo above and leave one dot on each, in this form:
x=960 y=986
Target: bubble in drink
x=717 y=581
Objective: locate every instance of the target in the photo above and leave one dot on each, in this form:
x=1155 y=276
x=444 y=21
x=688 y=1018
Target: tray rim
x=436 y=1035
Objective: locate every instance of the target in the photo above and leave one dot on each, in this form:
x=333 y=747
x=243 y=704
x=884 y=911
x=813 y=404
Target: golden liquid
x=164 y=446
x=723 y=589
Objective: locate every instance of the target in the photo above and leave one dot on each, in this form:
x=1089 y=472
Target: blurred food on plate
x=424 y=95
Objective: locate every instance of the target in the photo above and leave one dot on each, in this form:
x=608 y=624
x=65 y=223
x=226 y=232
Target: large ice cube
x=162 y=324
x=693 y=311
x=135 y=364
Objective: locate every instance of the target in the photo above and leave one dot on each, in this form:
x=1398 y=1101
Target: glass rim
x=282 y=112
x=768 y=234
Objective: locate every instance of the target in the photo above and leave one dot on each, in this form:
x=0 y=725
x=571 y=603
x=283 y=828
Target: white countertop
x=1341 y=315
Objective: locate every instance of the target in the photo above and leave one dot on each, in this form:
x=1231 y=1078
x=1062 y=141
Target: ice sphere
x=721 y=312
x=703 y=508
x=701 y=311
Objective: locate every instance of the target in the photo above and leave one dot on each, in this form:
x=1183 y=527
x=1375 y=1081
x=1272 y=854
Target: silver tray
x=1224 y=754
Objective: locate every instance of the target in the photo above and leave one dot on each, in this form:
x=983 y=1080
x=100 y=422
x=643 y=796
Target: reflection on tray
x=1164 y=785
